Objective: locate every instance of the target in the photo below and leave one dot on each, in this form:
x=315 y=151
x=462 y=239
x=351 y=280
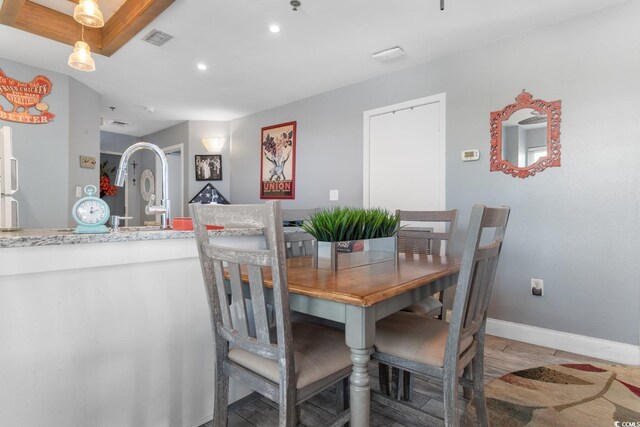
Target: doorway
x=404 y=155
x=117 y=200
x=175 y=163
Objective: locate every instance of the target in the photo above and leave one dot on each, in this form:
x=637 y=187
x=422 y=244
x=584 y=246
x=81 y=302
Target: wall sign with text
x=23 y=97
x=278 y=162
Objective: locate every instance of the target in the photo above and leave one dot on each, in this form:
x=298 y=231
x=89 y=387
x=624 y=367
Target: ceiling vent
x=388 y=54
x=119 y=123
x=157 y=38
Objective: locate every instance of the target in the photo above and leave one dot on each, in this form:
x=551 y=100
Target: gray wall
x=178 y=134
x=118 y=143
x=49 y=153
x=190 y=134
x=84 y=137
x=208 y=129
x=559 y=230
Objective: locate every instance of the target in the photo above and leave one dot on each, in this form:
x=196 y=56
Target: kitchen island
x=105 y=330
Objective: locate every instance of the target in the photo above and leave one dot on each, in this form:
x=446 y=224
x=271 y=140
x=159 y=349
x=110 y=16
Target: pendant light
x=88 y=14
x=80 y=58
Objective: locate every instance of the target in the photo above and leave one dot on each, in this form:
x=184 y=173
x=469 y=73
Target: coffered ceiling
x=324 y=45
x=53 y=19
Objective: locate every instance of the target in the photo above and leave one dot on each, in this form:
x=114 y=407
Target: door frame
x=126 y=185
x=441 y=99
x=167 y=150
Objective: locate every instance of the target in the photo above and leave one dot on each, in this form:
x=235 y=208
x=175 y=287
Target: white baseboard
x=627 y=354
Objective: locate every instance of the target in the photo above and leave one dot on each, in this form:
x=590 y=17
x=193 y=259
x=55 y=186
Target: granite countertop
x=66 y=236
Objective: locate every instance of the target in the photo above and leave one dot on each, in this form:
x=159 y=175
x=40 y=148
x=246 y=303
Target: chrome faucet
x=163 y=208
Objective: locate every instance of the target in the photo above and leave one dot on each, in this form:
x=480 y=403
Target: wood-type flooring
x=501 y=356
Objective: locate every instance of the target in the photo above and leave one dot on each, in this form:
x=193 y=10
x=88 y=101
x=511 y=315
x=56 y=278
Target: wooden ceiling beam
x=57 y=26
x=10 y=11
x=128 y=21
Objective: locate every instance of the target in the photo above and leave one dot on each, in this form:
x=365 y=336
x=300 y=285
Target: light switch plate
x=333 y=195
x=470 y=155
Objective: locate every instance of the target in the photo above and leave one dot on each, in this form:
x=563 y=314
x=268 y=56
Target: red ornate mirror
x=525 y=136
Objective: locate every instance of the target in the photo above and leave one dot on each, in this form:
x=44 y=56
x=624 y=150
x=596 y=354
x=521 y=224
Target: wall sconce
x=214 y=145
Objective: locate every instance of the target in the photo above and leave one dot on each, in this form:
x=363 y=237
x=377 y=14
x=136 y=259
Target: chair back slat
x=477 y=274
x=301 y=243
x=242 y=321
x=221 y=291
x=259 y=304
x=239 y=256
x=270 y=351
x=424 y=238
x=234 y=216
x=238 y=300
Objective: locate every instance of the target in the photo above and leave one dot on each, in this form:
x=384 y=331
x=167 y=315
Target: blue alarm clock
x=91 y=213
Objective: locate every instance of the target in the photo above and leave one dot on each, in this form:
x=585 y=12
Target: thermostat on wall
x=470 y=155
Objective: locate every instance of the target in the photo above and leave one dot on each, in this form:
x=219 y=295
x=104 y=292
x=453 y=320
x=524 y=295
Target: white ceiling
x=324 y=45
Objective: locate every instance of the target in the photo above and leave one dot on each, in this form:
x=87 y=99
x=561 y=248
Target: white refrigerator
x=8 y=182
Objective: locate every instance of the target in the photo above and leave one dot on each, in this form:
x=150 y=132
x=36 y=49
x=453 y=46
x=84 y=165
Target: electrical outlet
x=78 y=191
x=333 y=195
x=537 y=287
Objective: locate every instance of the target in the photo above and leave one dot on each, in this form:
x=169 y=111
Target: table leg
x=360 y=333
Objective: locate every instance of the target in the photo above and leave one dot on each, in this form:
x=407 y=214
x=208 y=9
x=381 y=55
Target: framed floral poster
x=278 y=161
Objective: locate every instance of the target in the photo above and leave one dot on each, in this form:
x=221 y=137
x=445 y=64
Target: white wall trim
x=440 y=98
x=594 y=347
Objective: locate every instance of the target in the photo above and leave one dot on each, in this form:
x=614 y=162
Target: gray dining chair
x=427 y=234
x=299 y=243
x=421 y=238
x=287 y=364
x=432 y=348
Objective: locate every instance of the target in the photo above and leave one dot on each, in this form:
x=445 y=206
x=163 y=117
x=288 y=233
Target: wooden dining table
x=358 y=297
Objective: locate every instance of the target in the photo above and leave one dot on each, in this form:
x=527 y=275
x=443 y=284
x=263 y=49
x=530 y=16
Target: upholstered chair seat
x=319 y=352
x=412 y=337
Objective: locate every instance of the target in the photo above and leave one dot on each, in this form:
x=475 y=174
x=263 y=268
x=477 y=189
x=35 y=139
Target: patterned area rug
x=564 y=395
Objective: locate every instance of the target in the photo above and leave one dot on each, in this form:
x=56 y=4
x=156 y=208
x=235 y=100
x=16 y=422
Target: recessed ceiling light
x=274 y=28
x=201 y=66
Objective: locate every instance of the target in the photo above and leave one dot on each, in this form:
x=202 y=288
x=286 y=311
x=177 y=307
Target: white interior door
x=404 y=155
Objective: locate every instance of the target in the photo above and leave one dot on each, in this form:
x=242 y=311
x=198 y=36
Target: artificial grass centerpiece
x=341 y=224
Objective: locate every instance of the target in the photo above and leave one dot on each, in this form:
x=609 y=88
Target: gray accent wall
x=208 y=129
x=84 y=137
x=48 y=154
x=118 y=143
x=190 y=134
x=178 y=134
x=576 y=226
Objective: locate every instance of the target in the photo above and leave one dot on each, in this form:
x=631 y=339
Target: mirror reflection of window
x=524 y=137
x=536 y=153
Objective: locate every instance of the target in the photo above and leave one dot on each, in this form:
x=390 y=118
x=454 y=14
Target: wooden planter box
x=336 y=256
